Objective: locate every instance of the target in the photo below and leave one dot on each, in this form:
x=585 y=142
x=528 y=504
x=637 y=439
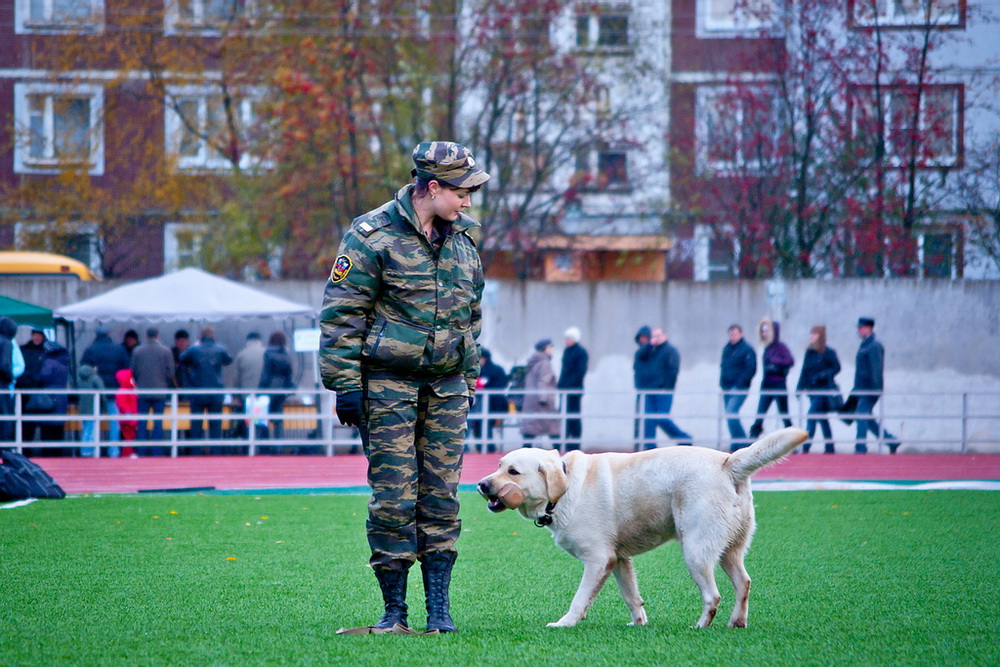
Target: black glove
x=349 y=408
x=472 y=401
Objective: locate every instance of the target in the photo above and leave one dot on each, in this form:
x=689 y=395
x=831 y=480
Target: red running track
x=79 y=475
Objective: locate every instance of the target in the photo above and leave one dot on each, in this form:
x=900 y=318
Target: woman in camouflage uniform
x=400 y=319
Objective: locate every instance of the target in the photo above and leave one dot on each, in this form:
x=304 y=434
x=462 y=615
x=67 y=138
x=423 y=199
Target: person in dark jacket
x=778 y=360
x=277 y=374
x=492 y=378
x=33 y=352
x=655 y=368
x=54 y=374
x=819 y=368
x=152 y=368
x=182 y=341
x=130 y=341
x=203 y=363
x=108 y=359
x=574 y=368
x=641 y=339
x=868 y=384
x=8 y=332
x=739 y=365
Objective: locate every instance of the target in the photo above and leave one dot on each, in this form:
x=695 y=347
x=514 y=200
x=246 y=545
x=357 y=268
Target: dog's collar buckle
x=546 y=519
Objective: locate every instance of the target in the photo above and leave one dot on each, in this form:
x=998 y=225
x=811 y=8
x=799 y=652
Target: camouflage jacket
x=396 y=307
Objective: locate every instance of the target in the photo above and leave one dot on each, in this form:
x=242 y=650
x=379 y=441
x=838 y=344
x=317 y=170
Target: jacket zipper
x=378 y=341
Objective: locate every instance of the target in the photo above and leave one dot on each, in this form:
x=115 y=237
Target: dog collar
x=546 y=519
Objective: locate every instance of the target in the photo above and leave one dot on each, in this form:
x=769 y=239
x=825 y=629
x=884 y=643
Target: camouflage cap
x=449 y=163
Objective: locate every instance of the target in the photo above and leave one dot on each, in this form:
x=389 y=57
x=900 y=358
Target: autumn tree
x=555 y=117
x=261 y=124
x=267 y=126
x=977 y=198
x=833 y=159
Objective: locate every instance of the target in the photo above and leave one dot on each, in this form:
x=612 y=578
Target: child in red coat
x=128 y=404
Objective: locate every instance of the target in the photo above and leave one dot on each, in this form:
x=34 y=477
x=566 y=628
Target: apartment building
x=686 y=164
x=849 y=131
x=78 y=125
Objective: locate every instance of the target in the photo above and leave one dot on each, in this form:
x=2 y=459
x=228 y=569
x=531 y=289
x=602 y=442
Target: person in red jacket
x=128 y=404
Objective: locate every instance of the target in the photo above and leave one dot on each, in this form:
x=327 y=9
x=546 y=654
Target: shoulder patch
x=367 y=225
x=341 y=267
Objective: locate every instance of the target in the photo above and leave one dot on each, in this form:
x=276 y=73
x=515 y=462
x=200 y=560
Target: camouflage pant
x=414 y=438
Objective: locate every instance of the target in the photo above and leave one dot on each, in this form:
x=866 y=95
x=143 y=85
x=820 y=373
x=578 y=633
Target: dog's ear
x=554 y=473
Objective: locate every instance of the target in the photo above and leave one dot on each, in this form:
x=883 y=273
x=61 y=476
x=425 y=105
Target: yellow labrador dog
x=605 y=508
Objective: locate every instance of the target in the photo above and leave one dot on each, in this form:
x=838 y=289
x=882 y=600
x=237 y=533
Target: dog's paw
x=641 y=620
x=562 y=623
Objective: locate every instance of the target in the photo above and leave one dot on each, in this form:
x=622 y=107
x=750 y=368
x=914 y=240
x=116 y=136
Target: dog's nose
x=484 y=486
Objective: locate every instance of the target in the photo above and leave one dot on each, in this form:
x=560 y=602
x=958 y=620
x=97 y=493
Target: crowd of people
x=151 y=367
x=655 y=367
x=132 y=382
x=817 y=380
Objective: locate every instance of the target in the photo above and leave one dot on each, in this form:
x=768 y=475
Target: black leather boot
x=436 y=569
x=393 y=585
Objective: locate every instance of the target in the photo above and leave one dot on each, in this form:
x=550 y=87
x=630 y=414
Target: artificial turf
x=887 y=577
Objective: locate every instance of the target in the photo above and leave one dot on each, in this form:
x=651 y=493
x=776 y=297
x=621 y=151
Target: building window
x=602 y=168
x=715 y=258
x=612 y=168
x=603 y=27
x=940 y=252
x=182 y=245
x=907 y=13
x=926 y=120
x=527 y=31
x=726 y=17
x=201 y=16
x=77 y=240
x=736 y=128
x=58 y=16
x=197 y=130
x=58 y=127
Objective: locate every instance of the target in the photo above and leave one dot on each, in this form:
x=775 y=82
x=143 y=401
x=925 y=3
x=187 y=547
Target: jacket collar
x=404 y=206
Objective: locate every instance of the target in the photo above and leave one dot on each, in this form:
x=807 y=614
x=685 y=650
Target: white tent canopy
x=188 y=294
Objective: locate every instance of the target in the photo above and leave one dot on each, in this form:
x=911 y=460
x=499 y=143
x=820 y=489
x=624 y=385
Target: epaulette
x=470 y=237
x=470 y=224
x=367 y=224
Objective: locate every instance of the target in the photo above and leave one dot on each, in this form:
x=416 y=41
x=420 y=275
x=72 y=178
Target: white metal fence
x=967 y=422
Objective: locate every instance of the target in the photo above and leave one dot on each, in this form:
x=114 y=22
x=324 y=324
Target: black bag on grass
x=20 y=479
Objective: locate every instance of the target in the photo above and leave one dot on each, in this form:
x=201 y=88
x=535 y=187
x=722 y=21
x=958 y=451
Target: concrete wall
x=923 y=324
x=940 y=339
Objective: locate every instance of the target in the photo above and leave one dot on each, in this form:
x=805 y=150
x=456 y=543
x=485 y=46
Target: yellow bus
x=43 y=264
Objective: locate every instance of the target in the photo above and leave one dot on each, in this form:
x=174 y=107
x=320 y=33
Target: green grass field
x=895 y=577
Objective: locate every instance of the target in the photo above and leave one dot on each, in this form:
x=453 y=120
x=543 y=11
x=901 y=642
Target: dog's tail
x=769 y=449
